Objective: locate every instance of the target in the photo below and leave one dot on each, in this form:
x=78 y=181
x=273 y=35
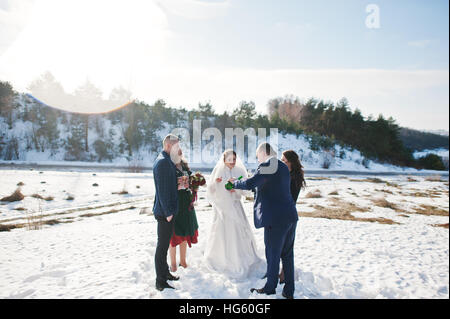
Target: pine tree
x=75 y=148
x=7 y=102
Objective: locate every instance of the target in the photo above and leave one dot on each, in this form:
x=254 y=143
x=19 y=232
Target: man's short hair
x=170 y=140
x=267 y=148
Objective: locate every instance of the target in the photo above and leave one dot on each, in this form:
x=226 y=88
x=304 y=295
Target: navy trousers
x=279 y=243
x=165 y=232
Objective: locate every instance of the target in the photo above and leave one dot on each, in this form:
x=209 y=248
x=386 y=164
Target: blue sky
x=226 y=51
x=319 y=34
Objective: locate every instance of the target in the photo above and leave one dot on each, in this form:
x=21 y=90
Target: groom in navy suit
x=275 y=210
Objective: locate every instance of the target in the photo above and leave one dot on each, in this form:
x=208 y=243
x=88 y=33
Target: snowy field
x=358 y=237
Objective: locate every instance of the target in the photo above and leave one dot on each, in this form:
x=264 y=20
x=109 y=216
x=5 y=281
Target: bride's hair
x=228 y=153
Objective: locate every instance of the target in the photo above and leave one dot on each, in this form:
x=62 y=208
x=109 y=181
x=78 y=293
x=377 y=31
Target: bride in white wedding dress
x=231 y=247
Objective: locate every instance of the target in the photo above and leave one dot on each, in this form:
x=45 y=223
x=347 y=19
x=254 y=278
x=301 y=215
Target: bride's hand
x=218 y=180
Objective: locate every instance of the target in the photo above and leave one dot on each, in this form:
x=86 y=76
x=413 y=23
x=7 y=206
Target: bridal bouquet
x=195 y=181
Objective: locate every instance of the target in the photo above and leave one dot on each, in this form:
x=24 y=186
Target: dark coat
x=273 y=205
x=295 y=190
x=166 y=187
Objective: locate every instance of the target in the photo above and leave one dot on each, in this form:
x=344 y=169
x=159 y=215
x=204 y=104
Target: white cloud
x=14 y=16
x=195 y=9
x=421 y=43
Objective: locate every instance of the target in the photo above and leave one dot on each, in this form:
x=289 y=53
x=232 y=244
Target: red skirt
x=176 y=240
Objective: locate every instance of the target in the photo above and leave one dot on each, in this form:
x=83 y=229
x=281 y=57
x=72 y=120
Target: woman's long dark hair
x=297 y=173
x=185 y=165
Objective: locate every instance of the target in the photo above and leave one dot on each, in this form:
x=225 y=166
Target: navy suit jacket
x=166 y=187
x=274 y=205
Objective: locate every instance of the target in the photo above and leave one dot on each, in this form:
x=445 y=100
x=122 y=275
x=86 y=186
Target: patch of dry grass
x=343 y=210
x=392 y=185
x=416 y=194
x=146 y=211
x=370 y=180
x=33 y=224
x=440 y=225
x=17 y=196
x=112 y=211
x=382 y=202
x=314 y=194
x=48 y=198
x=7 y=227
x=318 y=179
x=434 y=178
x=35 y=220
x=432 y=193
x=122 y=192
x=430 y=211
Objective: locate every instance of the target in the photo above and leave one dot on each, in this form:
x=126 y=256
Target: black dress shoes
x=287 y=297
x=163 y=286
x=172 y=277
x=259 y=291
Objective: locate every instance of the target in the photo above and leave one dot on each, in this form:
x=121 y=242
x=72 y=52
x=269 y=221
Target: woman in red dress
x=185 y=223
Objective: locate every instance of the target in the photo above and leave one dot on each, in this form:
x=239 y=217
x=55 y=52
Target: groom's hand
x=232 y=180
x=169 y=218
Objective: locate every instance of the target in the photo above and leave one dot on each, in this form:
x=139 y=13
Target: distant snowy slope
x=40 y=134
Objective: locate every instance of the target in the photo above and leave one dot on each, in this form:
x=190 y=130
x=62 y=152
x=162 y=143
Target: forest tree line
x=324 y=123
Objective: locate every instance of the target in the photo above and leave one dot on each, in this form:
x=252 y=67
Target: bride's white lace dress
x=231 y=246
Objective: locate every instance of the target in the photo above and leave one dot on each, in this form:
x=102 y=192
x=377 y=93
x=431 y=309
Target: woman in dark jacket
x=292 y=161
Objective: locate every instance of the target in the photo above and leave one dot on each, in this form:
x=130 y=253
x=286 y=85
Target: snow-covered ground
x=107 y=248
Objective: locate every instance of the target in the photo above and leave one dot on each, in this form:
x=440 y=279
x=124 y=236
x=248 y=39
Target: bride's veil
x=216 y=192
